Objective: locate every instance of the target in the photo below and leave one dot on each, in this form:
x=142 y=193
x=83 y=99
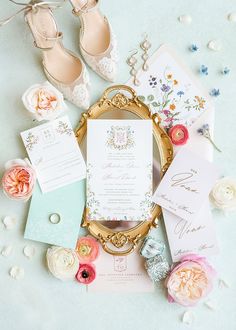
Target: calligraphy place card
x=197 y=236
x=186 y=185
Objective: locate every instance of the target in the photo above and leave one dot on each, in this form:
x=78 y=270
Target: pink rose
x=87 y=249
x=190 y=280
x=86 y=273
x=19 y=179
x=178 y=134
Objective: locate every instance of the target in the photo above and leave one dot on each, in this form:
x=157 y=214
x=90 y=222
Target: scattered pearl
x=232 y=17
x=214 y=45
x=185 y=19
x=29 y=251
x=9 y=222
x=17 y=273
x=7 y=251
x=188 y=317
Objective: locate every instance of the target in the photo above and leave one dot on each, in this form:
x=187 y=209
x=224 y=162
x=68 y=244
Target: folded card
x=121 y=274
x=186 y=185
x=186 y=236
x=119 y=169
x=55 y=154
x=67 y=211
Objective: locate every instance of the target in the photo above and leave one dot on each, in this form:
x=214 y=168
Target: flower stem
x=213 y=143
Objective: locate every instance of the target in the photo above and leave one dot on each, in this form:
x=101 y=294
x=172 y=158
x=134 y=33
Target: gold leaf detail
x=120 y=100
x=119 y=240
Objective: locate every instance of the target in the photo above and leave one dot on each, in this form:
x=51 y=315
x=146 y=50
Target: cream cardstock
x=119 y=169
x=187 y=236
x=55 y=154
x=121 y=274
x=185 y=187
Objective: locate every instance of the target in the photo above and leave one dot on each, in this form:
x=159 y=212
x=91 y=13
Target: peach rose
x=44 y=101
x=19 y=179
x=190 y=280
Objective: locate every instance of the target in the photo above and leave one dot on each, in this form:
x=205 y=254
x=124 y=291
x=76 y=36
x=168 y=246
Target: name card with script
x=186 y=236
x=186 y=185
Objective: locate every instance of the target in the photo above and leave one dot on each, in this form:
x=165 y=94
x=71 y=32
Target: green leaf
x=150 y=97
x=154 y=104
x=141 y=98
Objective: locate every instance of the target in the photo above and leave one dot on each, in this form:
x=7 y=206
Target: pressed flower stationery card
x=171 y=90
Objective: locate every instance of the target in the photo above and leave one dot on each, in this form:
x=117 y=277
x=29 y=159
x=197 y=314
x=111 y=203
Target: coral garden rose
x=44 y=101
x=86 y=273
x=63 y=263
x=178 y=134
x=190 y=280
x=223 y=194
x=87 y=249
x=19 y=179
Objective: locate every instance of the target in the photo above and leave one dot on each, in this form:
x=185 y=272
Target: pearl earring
x=131 y=61
x=145 y=46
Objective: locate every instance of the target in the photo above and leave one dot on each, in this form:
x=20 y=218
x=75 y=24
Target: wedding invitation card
x=186 y=185
x=121 y=274
x=55 y=154
x=119 y=169
x=197 y=236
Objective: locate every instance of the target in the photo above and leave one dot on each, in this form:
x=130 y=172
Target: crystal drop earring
x=145 y=46
x=132 y=61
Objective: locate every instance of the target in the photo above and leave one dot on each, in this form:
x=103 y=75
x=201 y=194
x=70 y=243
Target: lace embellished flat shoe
x=98 y=44
x=64 y=70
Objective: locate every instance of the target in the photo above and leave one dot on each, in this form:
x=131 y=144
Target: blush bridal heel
x=98 y=44
x=63 y=69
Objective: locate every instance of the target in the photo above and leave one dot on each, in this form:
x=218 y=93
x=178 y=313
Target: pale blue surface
x=42 y=302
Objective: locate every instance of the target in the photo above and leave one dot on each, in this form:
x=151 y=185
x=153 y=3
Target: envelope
x=66 y=204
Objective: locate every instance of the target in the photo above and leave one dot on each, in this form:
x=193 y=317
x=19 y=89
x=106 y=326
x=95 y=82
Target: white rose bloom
x=62 y=263
x=44 y=101
x=223 y=194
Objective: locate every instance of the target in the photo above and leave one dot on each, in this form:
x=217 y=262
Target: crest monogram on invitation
x=120 y=137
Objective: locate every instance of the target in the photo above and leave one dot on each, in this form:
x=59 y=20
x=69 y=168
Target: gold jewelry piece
x=131 y=61
x=55 y=218
x=145 y=46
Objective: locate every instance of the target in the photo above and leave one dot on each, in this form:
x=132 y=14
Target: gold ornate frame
x=120 y=101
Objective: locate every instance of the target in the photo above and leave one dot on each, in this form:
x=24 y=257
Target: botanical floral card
x=186 y=185
x=55 y=154
x=171 y=90
x=119 y=170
